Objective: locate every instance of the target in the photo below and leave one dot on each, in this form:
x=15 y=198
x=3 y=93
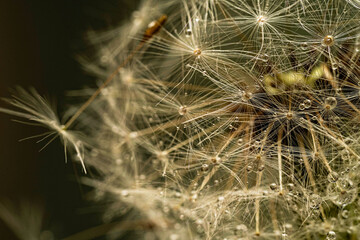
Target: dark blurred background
x=38 y=43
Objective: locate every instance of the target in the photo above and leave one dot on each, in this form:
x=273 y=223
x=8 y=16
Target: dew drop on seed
x=342 y=192
x=304 y=46
x=273 y=186
x=246 y=96
x=302 y=106
x=249 y=168
x=328 y=41
x=205 y=167
x=345 y=214
x=241 y=230
x=193 y=197
x=307 y=103
x=257 y=144
x=334 y=66
x=133 y=135
x=216 y=160
x=331 y=235
x=330 y=103
x=314 y=201
x=188 y=32
x=182 y=110
x=261 y=168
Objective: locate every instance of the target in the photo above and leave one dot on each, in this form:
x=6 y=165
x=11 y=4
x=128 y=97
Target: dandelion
x=223 y=119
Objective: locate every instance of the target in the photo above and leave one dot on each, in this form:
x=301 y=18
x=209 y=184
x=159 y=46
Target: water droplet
x=334 y=66
x=188 y=32
x=307 y=103
x=133 y=134
x=315 y=201
x=330 y=103
x=328 y=41
x=304 y=46
x=182 y=110
x=302 y=106
x=249 y=168
x=257 y=144
x=331 y=235
x=216 y=160
x=205 y=167
x=342 y=192
x=273 y=186
x=261 y=167
x=345 y=214
x=193 y=197
x=246 y=96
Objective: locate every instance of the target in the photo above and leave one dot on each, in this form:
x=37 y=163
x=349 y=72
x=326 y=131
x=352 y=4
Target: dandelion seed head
x=235 y=118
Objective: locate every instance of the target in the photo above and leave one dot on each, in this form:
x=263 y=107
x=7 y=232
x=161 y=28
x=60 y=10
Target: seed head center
x=261 y=19
x=197 y=52
x=328 y=40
